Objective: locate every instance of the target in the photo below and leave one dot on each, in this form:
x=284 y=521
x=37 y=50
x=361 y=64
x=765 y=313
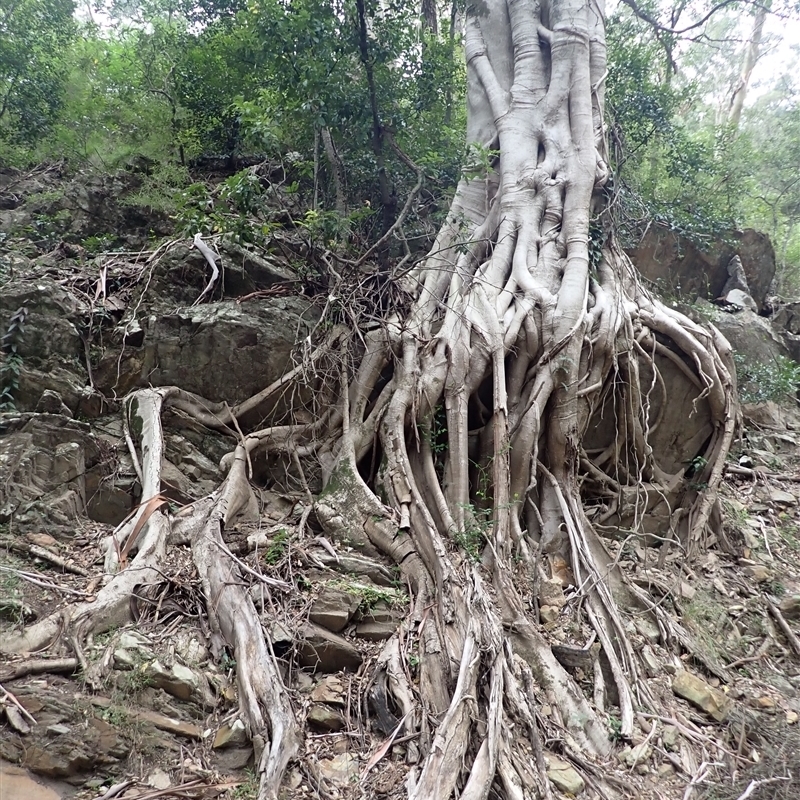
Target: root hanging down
x=518 y=401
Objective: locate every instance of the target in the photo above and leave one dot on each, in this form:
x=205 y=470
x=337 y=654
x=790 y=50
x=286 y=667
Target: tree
x=507 y=400
x=33 y=37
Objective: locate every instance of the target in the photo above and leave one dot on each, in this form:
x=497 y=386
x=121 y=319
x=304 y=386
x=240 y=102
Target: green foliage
x=760 y=381
x=11 y=363
x=34 y=35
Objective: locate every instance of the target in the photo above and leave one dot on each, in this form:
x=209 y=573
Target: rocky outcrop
x=678 y=266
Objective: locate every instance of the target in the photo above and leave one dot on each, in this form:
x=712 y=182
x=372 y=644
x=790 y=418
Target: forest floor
x=163 y=723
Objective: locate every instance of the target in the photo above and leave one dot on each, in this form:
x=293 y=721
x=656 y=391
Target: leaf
x=384 y=748
x=149 y=507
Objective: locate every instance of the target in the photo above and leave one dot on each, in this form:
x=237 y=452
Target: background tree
x=34 y=35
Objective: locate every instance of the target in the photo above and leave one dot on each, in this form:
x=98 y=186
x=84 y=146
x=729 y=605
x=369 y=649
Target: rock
x=687 y=591
x=231 y=735
x=665 y=770
x=677 y=263
x=636 y=755
x=159 y=779
x=325 y=651
x=233 y=759
x=51 y=403
x=63 y=756
x=548 y=614
x=791 y=717
x=670 y=738
x=376 y=631
x=782 y=497
x=329 y=690
x=341 y=770
x=790 y=607
x=758 y=572
x=648 y=629
x=333 y=608
x=767 y=414
x=325 y=718
x=221 y=351
x=16 y=782
x=712 y=701
x=58 y=730
x=551 y=593
x=563 y=776
x=178 y=680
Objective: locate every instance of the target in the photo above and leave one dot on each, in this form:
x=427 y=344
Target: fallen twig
x=6 y=695
x=46 y=555
x=755 y=784
x=38 y=580
x=783 y=625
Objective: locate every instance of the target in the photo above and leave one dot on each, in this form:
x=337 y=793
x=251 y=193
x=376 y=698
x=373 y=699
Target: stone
x=376 y=631
x=221 y=351
x=548 y=614
x=648 y=629
x=637 y=755
x=758 y=572
x=791 y=717
x=329 y=690
x=231 y=735
x=58 y=730
x=233 y=759
x=51 y=402
x=325 y=718
x=179 y=681
x=687 y=591
x=765 y=703
x=670 y=738
x=16 y=782
x=551 y=593
x=333 y=608
x=712 y=701
x=790 y=606
x=678 y=263
x=325 y=651
x=159 y=779
x=665 y=770
x=563 y=776
x=341 y=770
x=782 y=497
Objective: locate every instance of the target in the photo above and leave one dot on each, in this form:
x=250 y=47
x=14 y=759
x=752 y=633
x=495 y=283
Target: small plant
x=615 y=724
x=277 y=547
x=247 y=790
x=477 y=523
x=776 y=380
x=12 y=360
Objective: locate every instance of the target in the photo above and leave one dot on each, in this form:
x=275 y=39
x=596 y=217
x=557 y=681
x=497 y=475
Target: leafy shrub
x=761 y=381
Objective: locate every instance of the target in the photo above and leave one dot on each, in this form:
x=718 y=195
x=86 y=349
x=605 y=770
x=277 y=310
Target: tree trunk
x=520 y=379
x=750 y=58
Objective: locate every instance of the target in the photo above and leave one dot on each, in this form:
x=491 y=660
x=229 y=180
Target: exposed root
x=518 y=400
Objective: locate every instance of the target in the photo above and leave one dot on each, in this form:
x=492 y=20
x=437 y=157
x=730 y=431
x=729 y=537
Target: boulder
x=680 y=266
x=221 y=351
